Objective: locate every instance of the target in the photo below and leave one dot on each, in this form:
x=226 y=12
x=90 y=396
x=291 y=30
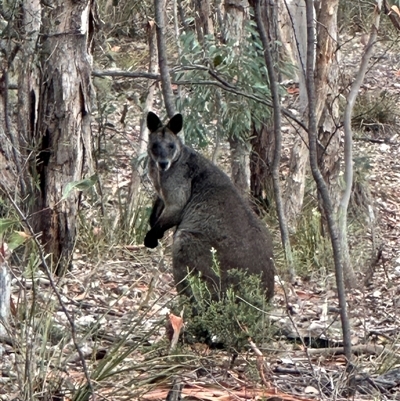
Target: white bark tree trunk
x=5 y=291
x=234 y=18
x=295 y=33
x=327 y=89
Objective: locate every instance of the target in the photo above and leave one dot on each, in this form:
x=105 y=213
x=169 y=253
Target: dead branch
x=362 y=349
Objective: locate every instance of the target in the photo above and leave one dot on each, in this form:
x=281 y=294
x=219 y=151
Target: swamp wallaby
x=199 y=199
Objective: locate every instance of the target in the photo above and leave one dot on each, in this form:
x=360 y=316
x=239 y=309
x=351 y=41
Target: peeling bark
x=326 y=86
x=28 y=83
x=63 y=133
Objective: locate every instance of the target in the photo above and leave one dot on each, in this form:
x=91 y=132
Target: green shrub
x=229 y=318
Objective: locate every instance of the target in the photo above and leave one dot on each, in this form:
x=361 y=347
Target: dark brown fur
x=199 y=199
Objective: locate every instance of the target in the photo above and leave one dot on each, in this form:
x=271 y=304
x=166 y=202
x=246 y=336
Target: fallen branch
x=366 y=349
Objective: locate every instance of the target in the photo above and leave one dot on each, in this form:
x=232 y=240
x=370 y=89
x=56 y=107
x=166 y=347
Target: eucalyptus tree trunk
x=327 y=111
x=319 y=180
x=263 y=9
x=294 y=32
x=261 y=159
x=234 y=19
x=52 y=143
x=28 y=83
x=137 y=170
x=60 y=123
x=327 y=90
x=203 y=21
x=169 y=98
x=13 y=177
x=263 y=139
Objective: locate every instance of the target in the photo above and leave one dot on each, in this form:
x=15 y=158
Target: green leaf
x=16 y=239
x=80 y=185
x=6 y=223
x=218 y=59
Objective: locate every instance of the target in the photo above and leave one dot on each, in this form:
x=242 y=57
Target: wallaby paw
x=150 y=241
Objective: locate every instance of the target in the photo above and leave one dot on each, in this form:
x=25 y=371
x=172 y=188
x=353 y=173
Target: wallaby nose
x=163 y=165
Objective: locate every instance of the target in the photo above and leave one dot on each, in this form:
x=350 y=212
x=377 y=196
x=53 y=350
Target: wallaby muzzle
x=164 y=165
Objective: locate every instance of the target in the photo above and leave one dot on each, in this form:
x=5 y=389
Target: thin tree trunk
x=235 y=15
x=295 y=33
x=203 y=21
x=277 y=137
x=11 y=158
x=261 y=159
x=321 y=185
x=327 y=90
x=169 y=99
x=28 y=81
x=63 y=132
x=240 y=170
x=262 y=141
x=349 y=275
x=182 y=16
x=5 y=291
x=137 y=169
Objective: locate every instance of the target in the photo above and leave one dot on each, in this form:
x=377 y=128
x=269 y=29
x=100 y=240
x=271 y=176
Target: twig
x=126 y=74
x=262 y=367
x=175 y=394
x=366 y=349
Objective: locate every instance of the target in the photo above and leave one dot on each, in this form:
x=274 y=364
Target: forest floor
x=118 y=296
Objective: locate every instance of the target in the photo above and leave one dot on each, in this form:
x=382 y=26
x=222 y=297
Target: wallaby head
x=164 y=145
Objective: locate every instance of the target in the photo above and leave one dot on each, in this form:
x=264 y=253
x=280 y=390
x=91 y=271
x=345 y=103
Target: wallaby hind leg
x=190 y=255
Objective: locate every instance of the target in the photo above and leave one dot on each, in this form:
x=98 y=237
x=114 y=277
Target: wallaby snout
x=163 y=166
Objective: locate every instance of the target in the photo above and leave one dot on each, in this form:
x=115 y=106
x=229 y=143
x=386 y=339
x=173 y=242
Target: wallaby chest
x=172 y=186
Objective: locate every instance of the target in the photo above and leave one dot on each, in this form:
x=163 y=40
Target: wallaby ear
x=153 y=122
x=175 y=123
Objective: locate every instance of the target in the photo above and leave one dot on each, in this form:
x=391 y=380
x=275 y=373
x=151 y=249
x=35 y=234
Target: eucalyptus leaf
x=80 y=185
x=6 y=223
x=16 y=239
